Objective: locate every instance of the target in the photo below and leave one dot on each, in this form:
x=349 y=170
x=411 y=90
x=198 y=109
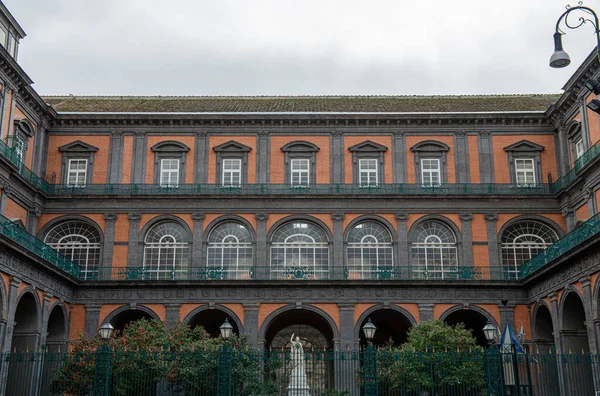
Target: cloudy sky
x=294 y=47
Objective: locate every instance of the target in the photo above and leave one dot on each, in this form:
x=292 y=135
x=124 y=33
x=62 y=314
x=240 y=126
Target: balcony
x=24 y=239
x=317 y=189
x=579 y=164
x=573 y=239
x=344 y=273
x=25 y=172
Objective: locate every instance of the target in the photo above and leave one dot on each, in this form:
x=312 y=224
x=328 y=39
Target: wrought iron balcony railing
x=317 y=189
x=348 y=273
x=577 y=166
x=17 y=234
x=574 y=238
x=24 y=171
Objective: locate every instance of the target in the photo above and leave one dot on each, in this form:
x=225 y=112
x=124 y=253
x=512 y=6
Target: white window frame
x=372 y=175
x=428 y=173
x=524 y=172
x=228 y=174
x=579 y=148
x=166 y=174
x=77 y=172
x=299 y=172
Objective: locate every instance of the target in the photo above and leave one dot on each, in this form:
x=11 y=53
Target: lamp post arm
x=581 y=20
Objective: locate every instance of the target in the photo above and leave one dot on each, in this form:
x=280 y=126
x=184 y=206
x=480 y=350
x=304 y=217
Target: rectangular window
x=77 y=172
x=12 y=45
x=3 y=36
x=169 y=172
x=578 y=148
x=525 y=170
x=367 y=169
x=430 y=172
x=300 y=171
x=19 y=148
x=232 y=172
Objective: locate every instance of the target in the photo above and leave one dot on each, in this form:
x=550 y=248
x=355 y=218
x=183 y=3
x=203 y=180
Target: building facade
x=304 y=215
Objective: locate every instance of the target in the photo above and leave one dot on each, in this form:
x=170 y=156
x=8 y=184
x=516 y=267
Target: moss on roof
x=309 y=104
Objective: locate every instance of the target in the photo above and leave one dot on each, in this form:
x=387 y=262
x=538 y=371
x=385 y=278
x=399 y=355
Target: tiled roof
x=304 y=104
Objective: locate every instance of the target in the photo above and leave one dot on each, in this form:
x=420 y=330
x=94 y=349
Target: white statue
x=298 y=385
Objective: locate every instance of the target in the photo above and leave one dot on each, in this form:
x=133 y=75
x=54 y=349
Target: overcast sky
x=294 y=47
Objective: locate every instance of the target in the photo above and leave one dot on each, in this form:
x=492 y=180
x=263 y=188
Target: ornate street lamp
x=226 y=329
x=103 y=363
x=491 y=332
x=369 y=330
x=560 y=58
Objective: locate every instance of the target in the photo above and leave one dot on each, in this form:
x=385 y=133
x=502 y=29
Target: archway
x=574 y=338
x=122 y=318
x=391 y=325
x=21 y=373
x=316 y=337
x=211 y=320
x=472 y=319
x=544 y=331
x=56 y=342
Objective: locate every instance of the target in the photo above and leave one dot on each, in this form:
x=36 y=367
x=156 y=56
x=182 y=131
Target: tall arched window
x=165 y=251
x=370 y=252
x=433 y=250
x=79 y=242
x=522 y=241
x=229 y=252
x=299 y=250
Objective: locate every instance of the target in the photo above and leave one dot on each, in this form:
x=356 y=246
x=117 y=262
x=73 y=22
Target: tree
x=147 y=354
x=438 y=359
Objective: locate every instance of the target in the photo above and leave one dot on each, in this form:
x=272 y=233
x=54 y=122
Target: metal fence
x=249 y=372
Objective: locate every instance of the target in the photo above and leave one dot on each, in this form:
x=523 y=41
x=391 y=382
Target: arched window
x=522 y=241
x=229 y=252
x=369 y=250
x=433 y=250
x=79 y=242
x=299 y=250
x=165 y=251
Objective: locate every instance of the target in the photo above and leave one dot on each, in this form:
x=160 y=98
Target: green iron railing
x=24 y=171
x=317 y=189
x=574 y=238
x=17 y=234
x=580 y=162
x=248 y=371
x=348 y=273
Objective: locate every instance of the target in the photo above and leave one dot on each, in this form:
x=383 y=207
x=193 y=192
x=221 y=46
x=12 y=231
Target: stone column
x=115 y=162
x=172 y=314
x=337 y=157
x=201 y=158
x=589 y=312
x=107 y=250
x=461 y=157
x=32 y=219
x=570 y=218
x=486 y=157
x=492 y=239
x=399 y=157
x=196 y=261
x=262 y=266
x=45 y=317
x=92 y=319
x=263 y=159
x=426 y=311
x=133 y=245
x=402 y=253
x=467 y=239
x=347 y=326
x=251 y=323
x=139 y=157
x=337 y=270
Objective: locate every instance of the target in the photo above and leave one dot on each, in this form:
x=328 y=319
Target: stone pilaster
x=172 y=314
x=92 y=319
x=337 y=157
x=402 y=249
x=338 y=245
x=263 y=154
x=486 y=157
x=262 y=271
x=347 y=336
x=139 y=158
x=461 y=157
x=589 y=312
x=115 y=161
x=45 y=317
x=251 y=322
x=33 y=216
x=109 y=243
x=197 y=247
x=467 y=239
x=426 y=312
x=201 y=158
x=399 y=157
x=492 y=238
x=133 y=244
